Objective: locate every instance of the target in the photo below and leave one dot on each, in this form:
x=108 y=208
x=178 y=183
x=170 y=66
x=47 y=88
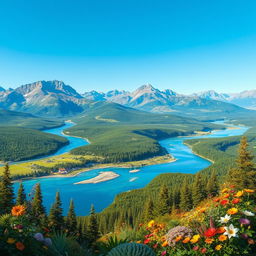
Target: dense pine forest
x=22 y=143
x=176 y=214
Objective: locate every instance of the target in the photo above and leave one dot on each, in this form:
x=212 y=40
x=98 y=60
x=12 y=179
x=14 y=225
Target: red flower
x=236 y=201
x=155 y=246
x=210 y=232
x=195 y=248
x=216 y=199
x=163 y=253
x=146 y=241
x=204 y=250
x=224 y=202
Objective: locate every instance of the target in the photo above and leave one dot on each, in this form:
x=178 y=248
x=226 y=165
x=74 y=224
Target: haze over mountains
x=56 y=99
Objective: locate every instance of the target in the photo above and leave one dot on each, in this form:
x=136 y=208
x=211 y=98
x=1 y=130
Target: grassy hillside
x=22 y=143
x=122 y=134
x=13 y=118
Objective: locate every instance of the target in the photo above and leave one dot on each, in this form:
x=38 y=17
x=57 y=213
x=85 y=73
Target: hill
x=13 y=118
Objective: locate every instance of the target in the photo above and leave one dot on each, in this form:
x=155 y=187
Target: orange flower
x=18 y=210
x=209 y=240
x=218 y=247
x=249 y=190
x=221 y=230
x=186 y=240
x=239 y=193
x=178 y=238
x=11 y=240
x=216 y=199
x=224 y=202
x=20 y=246
x=232 y=211
x=236 y=200
x=164 y=244
x=226 y=195
x=222 y=238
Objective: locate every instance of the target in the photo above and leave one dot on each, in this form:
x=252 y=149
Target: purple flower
x=244 y=236
x=19 y=226
x=244 y=221
x=48 y=242
x=39 y=237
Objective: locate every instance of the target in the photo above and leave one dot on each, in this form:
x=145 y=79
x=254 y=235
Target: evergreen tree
x=93 y=228
x=21 y=197
x=212 y=185
x=38 y=209
x=56 y=219
x=244 y=174
x=185 y=196
x=149 y=210
x=163 y=205
x=6 y=192
x=198 y=190
x=71 y=222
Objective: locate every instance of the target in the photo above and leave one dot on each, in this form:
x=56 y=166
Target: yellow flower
x=151 y=223
x=249 y=190
x=218 y=247
x=18 y=210
x=164 y=244
x=224 y=190
x=239 y=193
x=186 y=240
x=222 y=238
x=11 y=240
x=138 y=242
x=232 y=211
x=209 y=240
x=195 y=239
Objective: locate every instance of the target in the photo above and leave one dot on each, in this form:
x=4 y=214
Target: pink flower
x=163 y=253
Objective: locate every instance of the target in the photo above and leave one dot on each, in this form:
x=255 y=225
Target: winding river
x=102 y=194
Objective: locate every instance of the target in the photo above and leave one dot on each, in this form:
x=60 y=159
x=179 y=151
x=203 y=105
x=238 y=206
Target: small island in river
x=103 y=176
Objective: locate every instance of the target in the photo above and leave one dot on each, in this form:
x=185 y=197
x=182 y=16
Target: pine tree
x=185 y=196
x=21 y=197
x=212 y=185
x=71 y=222
x=198 y=190
x=56 y=220
x=149 y=210
x=38 y=209
x=93 y=228
x=244 y=174
x=163 y=205
x=6 y=192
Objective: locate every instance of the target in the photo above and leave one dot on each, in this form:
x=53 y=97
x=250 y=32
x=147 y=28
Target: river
x=102 y=194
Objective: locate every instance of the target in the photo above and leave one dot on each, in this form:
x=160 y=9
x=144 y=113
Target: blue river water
x=102 y=194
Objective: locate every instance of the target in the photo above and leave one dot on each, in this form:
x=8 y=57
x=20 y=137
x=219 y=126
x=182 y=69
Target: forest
x=23 y=143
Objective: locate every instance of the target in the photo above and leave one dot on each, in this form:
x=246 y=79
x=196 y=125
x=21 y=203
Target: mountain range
x=56 y=99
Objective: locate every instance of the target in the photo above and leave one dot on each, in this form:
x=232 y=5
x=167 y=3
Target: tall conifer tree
x=93 y=228
x=185 y=196
x=244 y=174
x=71 y=222
x=149 y=210
x=163 y=204
x=38 y=209
x=21 y=196
x=56 y=220
x=6 y=191
x=198 y=190
x=212 y=185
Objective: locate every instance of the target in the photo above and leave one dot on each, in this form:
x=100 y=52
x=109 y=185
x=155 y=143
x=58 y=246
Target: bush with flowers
x=225 y=225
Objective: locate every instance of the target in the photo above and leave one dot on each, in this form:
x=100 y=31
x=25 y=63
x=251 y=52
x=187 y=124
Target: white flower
x=225 y=219
x=231 y=231
x=248 y=213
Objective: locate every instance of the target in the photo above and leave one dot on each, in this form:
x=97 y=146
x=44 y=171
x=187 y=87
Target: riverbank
x=103 y=176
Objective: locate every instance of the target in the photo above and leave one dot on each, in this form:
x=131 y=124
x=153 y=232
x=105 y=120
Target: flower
x=232 y=211
x=210 y=232
x=220 y=230
x=178 y=238
x=39 y=237
x=195 y=239
x=195 y=248
x=226 y=195
x=209 y=240
x=248 y=190
x=239 y=193
x=20 y=246
x=151 y=223
x=224 y=190
x=225 y=219
x=236 y=200
x=186 y=240
x=250 y=241
x=231 y=231
x=163 y=253
x=244 y=221
x=203 y=250
x=222 y=238
x=164 y=244
x=177 y=233
x=224 y=202
x=18 y=210
x=218 y=247
x=146 y=241
x=11 y=240
x=248 y=213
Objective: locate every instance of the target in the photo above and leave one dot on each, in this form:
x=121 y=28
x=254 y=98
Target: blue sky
x=183 y=45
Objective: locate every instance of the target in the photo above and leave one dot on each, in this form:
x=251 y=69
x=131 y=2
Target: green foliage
x=163 y=202
x=56 y=219
x=22 y=143
x=149 y=211
x=21 y=196
x=212 y=187
x=71 y=222
x=185 y=196
x=198 y=190
x=93 y=228
x=6 y=191
x=37 y=207
x=131 y=249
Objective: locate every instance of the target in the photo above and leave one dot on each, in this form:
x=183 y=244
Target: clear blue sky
x=187 y=45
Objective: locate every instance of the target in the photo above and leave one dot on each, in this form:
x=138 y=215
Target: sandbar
x=103 y=176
